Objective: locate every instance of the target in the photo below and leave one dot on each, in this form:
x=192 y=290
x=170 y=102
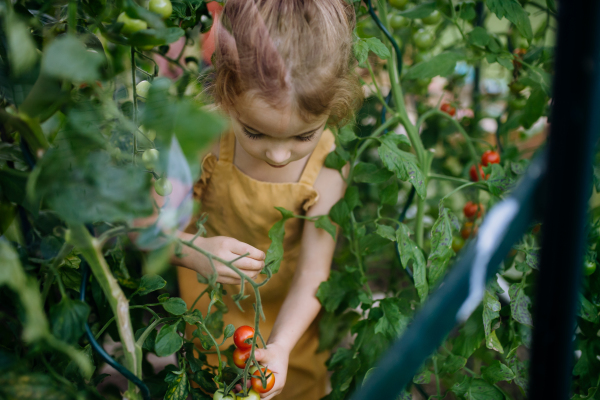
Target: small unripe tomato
x=164 y=8
x=131 y=25
x=432 y=18
x=252 y=395
x=468 y=230
x=240 y=356
x=220 y=395
x=163 y=187
x=473 y=173
x=147 y=47
x=257 y=382
x=490 y=157
x=142 y=88
x=252 y=369
x=471 y=209
x=150 y=158
x=399 y=4
x=517 y=103
x=241 y=335
x=397 y=21
x=457 y=243
x=422 y=56
x=516 y=87
x=423 y=39
x=589 y=267
x=448 y=109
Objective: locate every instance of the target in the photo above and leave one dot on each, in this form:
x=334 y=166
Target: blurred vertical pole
x=572 y=140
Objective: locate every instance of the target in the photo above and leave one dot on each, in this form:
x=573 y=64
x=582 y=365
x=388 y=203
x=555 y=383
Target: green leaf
x=206 y=380
x=392 y=324
x=479 y=37
x=492 y=342
x=505 y=61
x=340 y=214
x=352 y=197
x=410 y=251
x=389 y=195
x=150 y=283
x=499 y=182
x=481 y=390
x=276 y=234
x=376 y=46
x=168 y=341
x=323 y=222
x=67 y=58
x=68 y=318
x=420 y=11
x=179 y=387
x=521 y=371
x=361 y=51
x=452 y=364
x=491 y=311
x=534 y=108
x=442 y=64
x=22 y=51
x=497 y=372
x=514 y=12
x=386 y=232
x=403 y=164
x=519 y=305
x=340 y=286
x=333 y=328
x=334 y=161
x=588 y=311
x=346 y=135
x=156 y=37
x=175 y=306
x=229 y=331
x=370 y=173
x=441 y=244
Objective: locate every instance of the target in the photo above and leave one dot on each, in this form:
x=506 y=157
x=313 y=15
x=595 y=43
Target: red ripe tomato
x=448 y=109
x=257 y=382
x=471 y=209
x=473 y=173
x=240 y=356
x=468 y=230
x=490 y=157
x=241 y=335
x=519 y=53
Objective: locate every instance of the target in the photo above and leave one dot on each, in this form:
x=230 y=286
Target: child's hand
x=228 y=249
x=276 y=358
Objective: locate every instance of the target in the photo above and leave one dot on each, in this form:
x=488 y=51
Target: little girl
x=283 y=70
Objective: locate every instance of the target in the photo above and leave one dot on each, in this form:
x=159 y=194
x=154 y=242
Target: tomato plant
x=164 y=8
x=490 y=157
x=257 y=384
x=448 y=109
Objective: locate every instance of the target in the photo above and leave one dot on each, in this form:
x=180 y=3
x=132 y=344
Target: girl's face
x=277 y=136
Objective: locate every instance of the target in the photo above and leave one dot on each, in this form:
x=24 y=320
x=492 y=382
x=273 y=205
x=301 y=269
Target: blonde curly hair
x=288 y=50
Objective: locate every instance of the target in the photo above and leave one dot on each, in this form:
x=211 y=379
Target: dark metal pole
x=573 y=138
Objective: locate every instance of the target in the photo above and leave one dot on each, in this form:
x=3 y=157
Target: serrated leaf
x=168 y=341
x=323 y=222
x=441 y=244
x=479 y=37
x=442 y=64
x=410 y=251
x=175 y=306
x=386 y=232
x=497 y=372
x=587 y=310
x=481 y=390
x=389 y=195
x=519 y=305
x=393 y=323
x=376 y=46
x=499 y=182
x=352 y=197
x=452 y=364
x=370 y=173
x=179 y=387
x=150 y=283
x=514 y=12
x=493 y=343
x=403 y=164
x=491 y=311
x=276 y=234
x=68 y=318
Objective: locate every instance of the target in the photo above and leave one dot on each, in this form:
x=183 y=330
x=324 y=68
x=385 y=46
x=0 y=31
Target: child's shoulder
x=331 y=187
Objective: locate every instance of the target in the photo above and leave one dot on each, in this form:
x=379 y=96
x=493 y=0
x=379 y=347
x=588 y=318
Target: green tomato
x=150 y=158
x=423 y=56
x=397 y=21
x=220 y=395
x=589 y=267
x=517 y=103
x=148 y=47
x=252 y=395
x=163 y=187
x=399 y=4
x=423 y=39
x=432 y=18
x=164 y=8
x=516 y=87
x=131 y=25
x=142 y=88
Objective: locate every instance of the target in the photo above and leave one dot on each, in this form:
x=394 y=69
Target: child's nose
x=278 y=156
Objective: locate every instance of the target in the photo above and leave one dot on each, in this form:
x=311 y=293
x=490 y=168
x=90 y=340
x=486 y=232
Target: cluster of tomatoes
x=242 y=338
x=472 y=212
x=489 y=157
x=164 y=8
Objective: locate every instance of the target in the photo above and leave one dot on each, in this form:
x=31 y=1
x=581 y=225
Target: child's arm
x=223 y=247
x=301 y=305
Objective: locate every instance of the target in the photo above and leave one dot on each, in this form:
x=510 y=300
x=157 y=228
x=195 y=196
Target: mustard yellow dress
x=241 y=207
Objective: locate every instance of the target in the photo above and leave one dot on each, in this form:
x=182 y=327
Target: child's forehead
x=281 y=121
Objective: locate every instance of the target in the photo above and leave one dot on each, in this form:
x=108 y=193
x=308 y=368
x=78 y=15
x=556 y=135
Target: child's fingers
x=249 y=264
x=241 y=248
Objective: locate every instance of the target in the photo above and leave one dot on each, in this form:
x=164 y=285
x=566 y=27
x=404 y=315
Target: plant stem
x=378 y=91
x=135 y=105
x=437 y=377
x=62 y=253
x=148 y=331
x=72 y=17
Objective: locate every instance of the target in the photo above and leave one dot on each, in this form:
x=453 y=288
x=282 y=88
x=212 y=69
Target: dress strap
x=317 y=158
x=227 y=147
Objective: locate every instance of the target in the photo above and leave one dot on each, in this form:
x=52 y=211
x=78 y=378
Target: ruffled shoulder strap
x=317 y=158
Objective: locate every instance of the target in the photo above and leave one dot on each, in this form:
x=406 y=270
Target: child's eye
x=251 y=135
x=306 y=138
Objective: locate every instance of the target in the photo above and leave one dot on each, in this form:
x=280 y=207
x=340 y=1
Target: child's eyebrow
x=260 y=133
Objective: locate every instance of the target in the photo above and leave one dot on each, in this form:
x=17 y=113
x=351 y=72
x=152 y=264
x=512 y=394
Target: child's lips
x=277 y=166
